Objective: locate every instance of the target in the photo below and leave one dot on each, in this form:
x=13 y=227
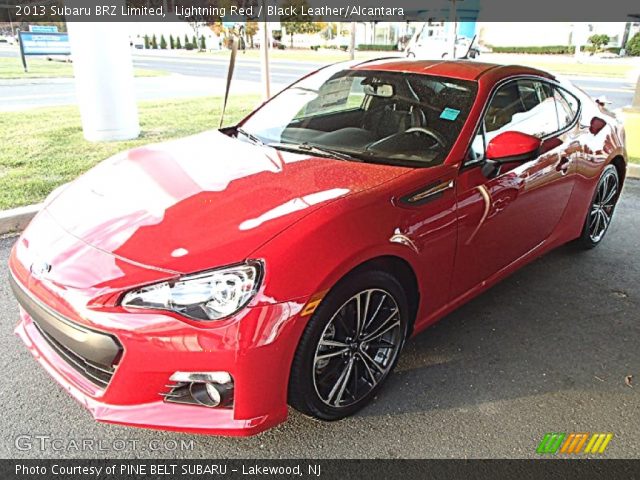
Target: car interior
x=401 y=117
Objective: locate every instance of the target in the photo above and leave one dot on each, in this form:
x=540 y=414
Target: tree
x=172 y=42
x=250 y=29
x=329 y=31
x=163 y=42
x=154 y=41
x=147 y=45
x=186 y=39
x=194 y=41
x=633 y=45
x=178 y=44
x=599 y=41
x=203 y=43
x=298 y=23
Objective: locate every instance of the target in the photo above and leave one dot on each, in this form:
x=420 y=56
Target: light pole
x=264 y=54
x=352 y=42
x=453 y=18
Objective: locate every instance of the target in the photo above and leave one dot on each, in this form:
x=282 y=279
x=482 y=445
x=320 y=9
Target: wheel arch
x=621 y=166
x=403 y=271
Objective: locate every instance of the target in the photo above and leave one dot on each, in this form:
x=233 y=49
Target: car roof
x=459 y=69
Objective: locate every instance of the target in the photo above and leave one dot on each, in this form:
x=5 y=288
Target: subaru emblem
x=38 y=269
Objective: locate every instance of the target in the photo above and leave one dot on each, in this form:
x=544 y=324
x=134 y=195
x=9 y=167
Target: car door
x=501 y=219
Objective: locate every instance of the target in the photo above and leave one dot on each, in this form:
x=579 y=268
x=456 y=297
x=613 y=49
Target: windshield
x=385 y=117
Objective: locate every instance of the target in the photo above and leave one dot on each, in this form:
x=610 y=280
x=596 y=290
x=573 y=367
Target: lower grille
x=97 y=374
x=93 y=354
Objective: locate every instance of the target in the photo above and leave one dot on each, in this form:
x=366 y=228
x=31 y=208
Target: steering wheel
x=429 y=132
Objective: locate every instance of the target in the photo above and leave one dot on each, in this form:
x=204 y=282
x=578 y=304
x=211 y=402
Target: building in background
x=526 y=34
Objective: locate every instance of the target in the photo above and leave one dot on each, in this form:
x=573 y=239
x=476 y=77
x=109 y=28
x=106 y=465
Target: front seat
x=393 y=118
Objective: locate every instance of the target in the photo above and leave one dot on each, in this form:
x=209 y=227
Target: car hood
x=202 y=201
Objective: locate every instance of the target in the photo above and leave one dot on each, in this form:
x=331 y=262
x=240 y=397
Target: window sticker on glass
x=449 y=114
x=335 y=92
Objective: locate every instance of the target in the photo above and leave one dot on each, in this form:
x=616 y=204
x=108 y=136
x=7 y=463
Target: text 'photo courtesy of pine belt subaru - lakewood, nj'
x=206 y=283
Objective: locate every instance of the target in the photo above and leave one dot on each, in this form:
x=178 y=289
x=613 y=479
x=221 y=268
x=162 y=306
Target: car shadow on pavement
x=562 y=323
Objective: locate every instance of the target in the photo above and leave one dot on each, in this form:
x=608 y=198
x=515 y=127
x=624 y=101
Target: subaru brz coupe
x=206 y=283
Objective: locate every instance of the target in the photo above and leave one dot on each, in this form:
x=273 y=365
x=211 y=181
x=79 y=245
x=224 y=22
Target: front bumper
x=256 y=348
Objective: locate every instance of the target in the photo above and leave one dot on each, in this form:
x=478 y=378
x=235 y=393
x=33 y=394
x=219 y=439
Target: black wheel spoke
x=368 y=371
x=380 y=344
x=375 y=313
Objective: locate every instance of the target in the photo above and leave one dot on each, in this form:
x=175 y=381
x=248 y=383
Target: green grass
x=43 y=68
x=44 y=148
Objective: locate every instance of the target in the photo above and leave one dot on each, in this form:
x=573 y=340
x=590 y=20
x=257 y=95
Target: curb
x=17 y=219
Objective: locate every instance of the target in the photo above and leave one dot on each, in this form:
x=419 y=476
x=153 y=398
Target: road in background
x=196 y=77
x=546 y=350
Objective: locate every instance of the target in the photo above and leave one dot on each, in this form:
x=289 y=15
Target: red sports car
x=206 y=283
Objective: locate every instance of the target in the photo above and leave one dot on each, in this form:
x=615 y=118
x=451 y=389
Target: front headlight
x=211 y=295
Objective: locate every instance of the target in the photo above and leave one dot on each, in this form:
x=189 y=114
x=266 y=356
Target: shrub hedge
x=550 y=49
x=374 y=46
x=633 y=45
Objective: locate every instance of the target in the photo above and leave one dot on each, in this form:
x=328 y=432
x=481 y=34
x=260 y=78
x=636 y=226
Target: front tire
x=601 y=209
x=350 y=346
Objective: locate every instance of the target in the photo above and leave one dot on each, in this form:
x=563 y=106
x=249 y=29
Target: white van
x=436 y=48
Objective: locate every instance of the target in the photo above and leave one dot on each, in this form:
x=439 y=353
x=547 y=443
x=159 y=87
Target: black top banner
x=209 y=11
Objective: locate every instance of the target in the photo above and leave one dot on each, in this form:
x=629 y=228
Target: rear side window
x=568 y=107
x=525 y=105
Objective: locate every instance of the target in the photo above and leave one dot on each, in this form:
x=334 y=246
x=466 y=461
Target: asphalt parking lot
x=547 y=350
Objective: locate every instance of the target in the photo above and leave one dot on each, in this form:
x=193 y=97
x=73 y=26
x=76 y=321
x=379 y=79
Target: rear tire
x=601 y=209
x=343 y=359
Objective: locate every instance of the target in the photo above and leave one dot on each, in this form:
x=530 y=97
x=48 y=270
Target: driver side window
x=523 y=105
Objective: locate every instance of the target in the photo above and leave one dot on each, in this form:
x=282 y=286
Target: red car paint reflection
x=159 y=212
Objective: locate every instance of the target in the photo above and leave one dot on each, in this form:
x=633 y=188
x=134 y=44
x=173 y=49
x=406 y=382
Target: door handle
x=563 y=165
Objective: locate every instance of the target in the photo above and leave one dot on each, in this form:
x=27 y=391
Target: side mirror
x=509 y=147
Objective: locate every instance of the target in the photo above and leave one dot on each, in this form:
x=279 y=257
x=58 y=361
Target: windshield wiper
x=315 y=149
x=250 y=136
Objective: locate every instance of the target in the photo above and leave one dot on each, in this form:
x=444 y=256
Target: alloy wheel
x=603 y=206
x=358 y=348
